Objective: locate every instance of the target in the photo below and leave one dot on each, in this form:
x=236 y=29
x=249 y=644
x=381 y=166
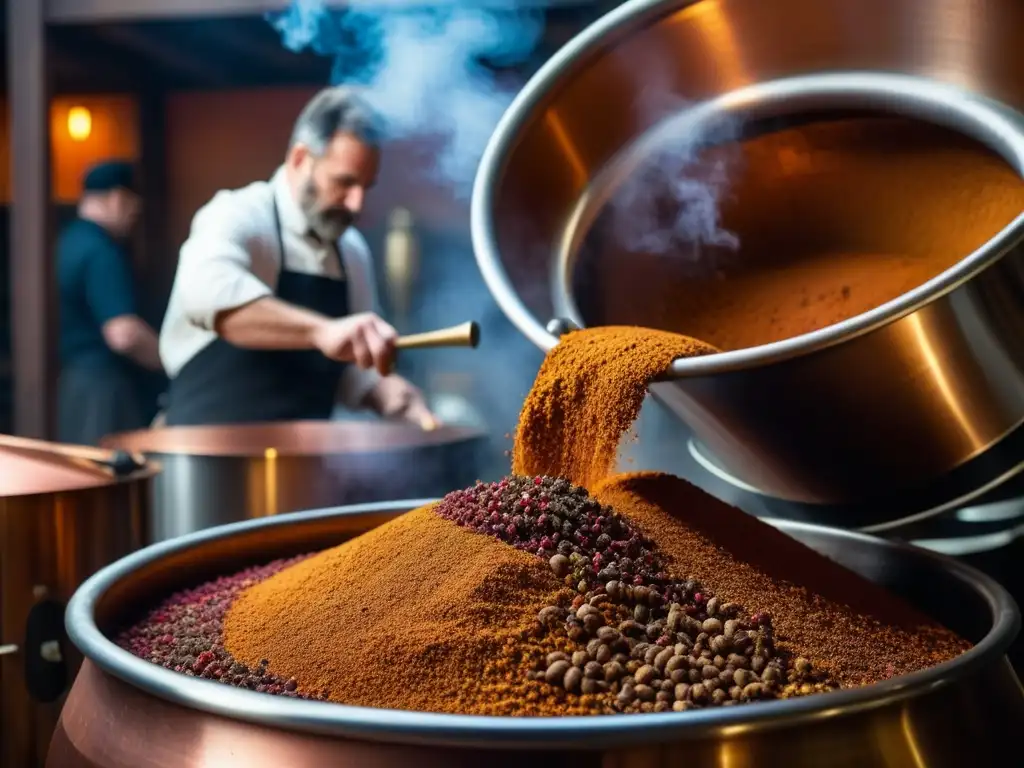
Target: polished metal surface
x=50 y=542
x=124 y=711
x=222 y=474
x=888 y=400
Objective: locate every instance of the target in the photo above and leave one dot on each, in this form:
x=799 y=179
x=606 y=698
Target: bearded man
x=273 y=312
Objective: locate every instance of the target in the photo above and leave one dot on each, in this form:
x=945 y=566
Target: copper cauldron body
x=123 y=711
x=61 y=520
x=839 y=411
x=214 y=475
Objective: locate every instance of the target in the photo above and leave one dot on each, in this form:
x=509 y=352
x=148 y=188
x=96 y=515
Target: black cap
x=110 y=175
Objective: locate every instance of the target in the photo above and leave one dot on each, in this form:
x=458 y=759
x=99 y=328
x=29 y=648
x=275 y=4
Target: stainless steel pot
x=123 y=711
x=61 y=520
x=221 y=474
x=885 y=401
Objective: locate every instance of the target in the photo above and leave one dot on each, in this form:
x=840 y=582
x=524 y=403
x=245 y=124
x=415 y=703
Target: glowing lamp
x=79 y=123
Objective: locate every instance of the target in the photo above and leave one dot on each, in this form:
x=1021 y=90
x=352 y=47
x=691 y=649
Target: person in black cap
x=107 y=352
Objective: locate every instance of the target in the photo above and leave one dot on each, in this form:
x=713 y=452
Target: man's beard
x=329 y=224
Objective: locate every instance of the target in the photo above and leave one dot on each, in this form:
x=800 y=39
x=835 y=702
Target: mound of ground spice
x=588 y=392
x=853 y=629
x=426 y=613
x=414 y=615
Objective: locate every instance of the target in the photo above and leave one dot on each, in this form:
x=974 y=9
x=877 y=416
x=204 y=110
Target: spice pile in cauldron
x=531 y=596
x=826 y=225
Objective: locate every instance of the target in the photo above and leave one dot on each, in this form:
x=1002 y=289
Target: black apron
x=225 y=384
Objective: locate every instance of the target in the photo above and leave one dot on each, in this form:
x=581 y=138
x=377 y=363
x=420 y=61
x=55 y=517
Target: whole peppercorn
x=646 y=675
x=644 y=692
x=556 y=671
x=559 y=565
x=572 y=679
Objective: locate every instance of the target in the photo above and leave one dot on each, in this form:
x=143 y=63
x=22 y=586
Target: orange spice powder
x=588 y=393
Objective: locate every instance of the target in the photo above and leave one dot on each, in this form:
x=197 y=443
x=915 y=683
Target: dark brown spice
x=827 y=231
x=847 y=626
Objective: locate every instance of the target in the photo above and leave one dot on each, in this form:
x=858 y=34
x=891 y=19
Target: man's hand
x=363 y=339
x=396 y=398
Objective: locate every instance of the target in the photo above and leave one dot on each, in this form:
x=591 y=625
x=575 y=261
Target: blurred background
x=202 y=95
x=204 y=98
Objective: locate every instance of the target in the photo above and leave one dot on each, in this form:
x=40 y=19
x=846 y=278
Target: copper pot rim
x=283 y=439
x=30 y=473
x=370 y=723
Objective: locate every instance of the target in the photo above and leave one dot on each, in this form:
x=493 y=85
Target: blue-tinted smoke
x=423 y=69
x=671 y=198
x=670 y=203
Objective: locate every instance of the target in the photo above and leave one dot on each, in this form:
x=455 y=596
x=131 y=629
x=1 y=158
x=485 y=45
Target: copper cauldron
x=123 y=711
x=61 y=519
x=596 y=163
x=222 y=474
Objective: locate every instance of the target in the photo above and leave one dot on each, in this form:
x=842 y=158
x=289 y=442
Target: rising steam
x=423 y=68
x=675 y=178
x=670 y=203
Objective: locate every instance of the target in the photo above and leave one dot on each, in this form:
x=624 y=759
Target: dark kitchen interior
x=201 y=96
x=151 y=62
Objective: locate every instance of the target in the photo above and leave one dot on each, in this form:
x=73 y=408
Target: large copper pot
x=123 y=711
x=61 y=519
x=222 y=474
x=883 y=402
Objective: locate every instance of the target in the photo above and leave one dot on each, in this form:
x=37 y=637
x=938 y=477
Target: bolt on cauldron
x=123 y=710
x=818 y=161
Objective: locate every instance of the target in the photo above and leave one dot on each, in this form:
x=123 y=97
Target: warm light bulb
x=79 y=123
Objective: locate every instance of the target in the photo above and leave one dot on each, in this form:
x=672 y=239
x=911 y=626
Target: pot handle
x=46 y=672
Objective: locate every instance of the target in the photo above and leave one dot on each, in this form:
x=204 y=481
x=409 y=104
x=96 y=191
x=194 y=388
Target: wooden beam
x=96 y=11
x=33 y=291
x=182 y=62
x=80 y=75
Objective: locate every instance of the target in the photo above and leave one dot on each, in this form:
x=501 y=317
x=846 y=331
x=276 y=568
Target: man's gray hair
x=336 y=110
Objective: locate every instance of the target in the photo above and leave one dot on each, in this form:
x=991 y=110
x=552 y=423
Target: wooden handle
x=111 y=458
x=44 y=446
x=465 y=335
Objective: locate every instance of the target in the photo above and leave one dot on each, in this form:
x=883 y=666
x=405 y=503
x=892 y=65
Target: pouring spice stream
x=535 y=596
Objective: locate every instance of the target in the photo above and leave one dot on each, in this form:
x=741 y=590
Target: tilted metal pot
x=61 y=519
x=884 y=401
x=124 y=711
x=221 y=474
